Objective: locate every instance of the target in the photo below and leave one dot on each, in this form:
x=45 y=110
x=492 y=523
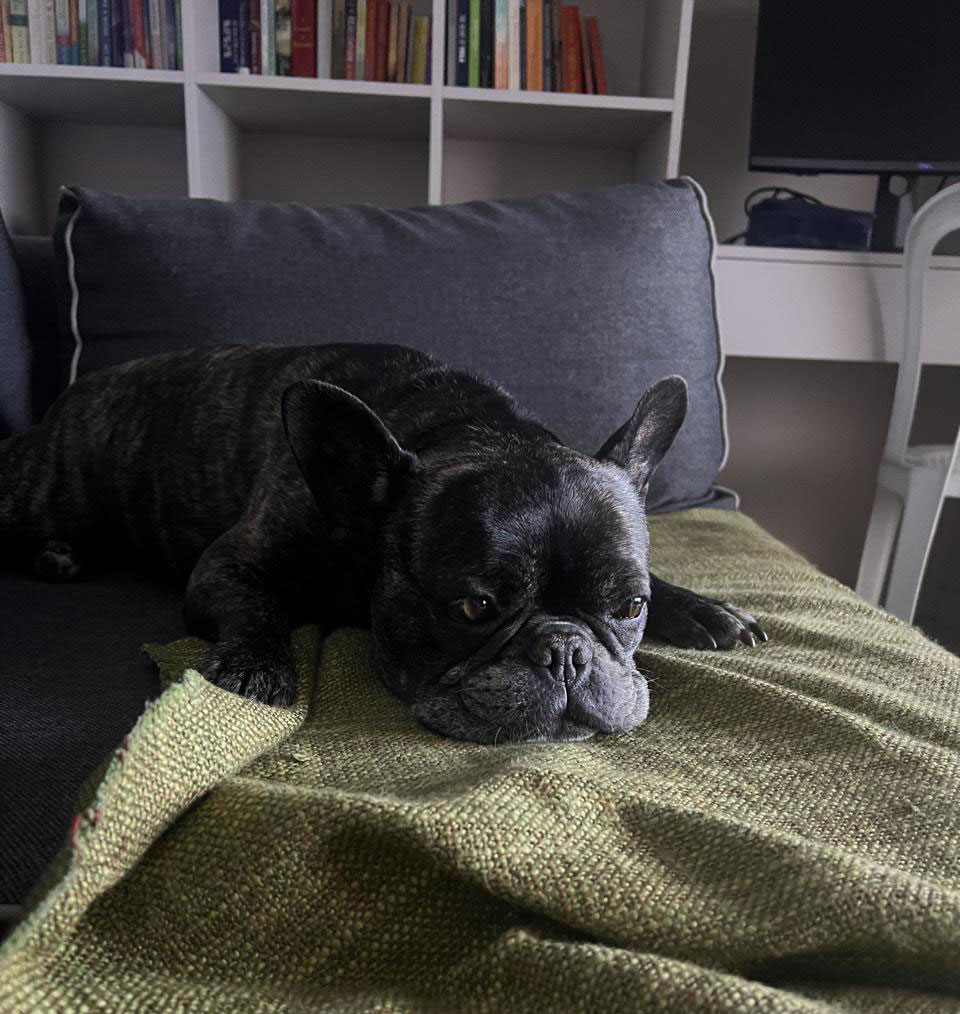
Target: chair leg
x=878 y=545
x=921 y=511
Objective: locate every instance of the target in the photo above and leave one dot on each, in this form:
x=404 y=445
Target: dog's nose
x=563 y=650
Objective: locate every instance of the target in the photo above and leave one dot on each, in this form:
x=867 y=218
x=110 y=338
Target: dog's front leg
x=689 y=620
x=229 y=601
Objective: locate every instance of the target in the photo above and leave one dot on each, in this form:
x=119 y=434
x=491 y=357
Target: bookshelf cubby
x=201 y=133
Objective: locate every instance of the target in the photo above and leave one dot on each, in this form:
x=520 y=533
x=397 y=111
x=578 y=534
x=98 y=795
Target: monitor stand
x=893 y=210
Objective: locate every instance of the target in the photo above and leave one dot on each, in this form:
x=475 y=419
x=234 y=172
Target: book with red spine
x=140 y=52
x=596 y=56
x=256 y=50
x=571 y=49
x=585 y=61
x=383 y=38
x=370 y=42
x=535 y=45
x=303 y=38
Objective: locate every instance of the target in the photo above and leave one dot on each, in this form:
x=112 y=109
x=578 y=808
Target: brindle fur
x=432 y=482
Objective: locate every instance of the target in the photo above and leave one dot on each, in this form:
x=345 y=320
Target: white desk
x=824 y=304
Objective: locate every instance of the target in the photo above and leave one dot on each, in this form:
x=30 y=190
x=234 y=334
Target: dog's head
x=512 y=575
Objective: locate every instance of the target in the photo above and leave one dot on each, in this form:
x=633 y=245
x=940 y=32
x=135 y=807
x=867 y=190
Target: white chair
x=913 y=481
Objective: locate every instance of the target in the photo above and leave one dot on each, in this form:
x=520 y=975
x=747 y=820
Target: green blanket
x=782 y=834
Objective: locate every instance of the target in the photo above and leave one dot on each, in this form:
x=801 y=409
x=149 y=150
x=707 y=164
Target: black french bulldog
x=504 y=576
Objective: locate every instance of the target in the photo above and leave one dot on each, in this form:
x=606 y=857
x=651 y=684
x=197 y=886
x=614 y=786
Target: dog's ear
x=642 y=441
x=346 y=454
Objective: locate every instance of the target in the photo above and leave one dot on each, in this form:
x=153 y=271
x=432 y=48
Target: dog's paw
x=689 y=620
x=56 y=563
x=251 y=668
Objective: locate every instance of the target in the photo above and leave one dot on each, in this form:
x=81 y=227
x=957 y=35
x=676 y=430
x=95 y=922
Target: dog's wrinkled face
x=522 y=596
x=513 y=580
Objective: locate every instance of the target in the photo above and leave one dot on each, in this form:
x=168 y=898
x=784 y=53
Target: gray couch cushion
x=573 y=302
x=73 y=683
x=15 y=409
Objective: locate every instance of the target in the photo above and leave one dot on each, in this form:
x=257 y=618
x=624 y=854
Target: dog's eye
x=472 y=609
x=631 y=609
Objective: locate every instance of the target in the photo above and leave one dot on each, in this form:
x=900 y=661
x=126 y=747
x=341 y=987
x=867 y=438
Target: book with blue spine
x=104 y=33
x=230 y=53
x=170 y=34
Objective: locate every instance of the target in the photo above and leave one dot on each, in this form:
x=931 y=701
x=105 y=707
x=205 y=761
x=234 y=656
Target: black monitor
x=857 y=86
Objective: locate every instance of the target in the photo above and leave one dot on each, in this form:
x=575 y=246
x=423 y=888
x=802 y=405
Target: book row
x=535 y=45
x=363 y=40
x=539 y=45
x=92 y=33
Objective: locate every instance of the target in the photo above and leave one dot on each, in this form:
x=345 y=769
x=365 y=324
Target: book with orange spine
x=535 y=45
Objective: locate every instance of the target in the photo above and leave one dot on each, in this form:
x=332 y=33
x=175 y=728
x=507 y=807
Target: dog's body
x=493 y=556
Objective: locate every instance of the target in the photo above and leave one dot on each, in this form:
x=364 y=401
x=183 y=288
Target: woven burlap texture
x=782 y=834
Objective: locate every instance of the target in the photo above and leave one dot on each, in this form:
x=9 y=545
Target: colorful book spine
x=535 y=45
x=571 y=49
x=93 y=34
x=74 y=43
x=586 y=69
x=323 y=38
x=282 y=37
x=104 y=33
x=409 y=68
x=158 y=56
x=392 y=31
x=548 y=45
x=4 y=32
x=501 y=53
x=523 y=43
x=82 y=38
x=360 y=67
x=303 y=38
x=370 y=45
x=36 y=17
x=141 y=44
x=350 y=41
x=513 y=44
x=230 y=36
x=461 y=77
x=383 y=36
x=596 y=56
x=473 y=46
x=338 y=29
x=487 y=8
x=403 y=42
x=268 y=37
x=18 y=22
x=256 y=37
x=557 y=37
x=169 y=19
x=421 y=40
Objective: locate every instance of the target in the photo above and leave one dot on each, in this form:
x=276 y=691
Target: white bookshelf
x=200 y=133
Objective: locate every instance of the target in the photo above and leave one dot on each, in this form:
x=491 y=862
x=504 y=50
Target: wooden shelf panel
x=321 y=106
x=482 y=114
x=110 y=95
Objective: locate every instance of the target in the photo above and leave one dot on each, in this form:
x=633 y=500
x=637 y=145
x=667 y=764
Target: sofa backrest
x=575 y=303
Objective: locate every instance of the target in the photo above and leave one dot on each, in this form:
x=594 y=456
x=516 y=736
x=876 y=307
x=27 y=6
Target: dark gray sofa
x=562 y=299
